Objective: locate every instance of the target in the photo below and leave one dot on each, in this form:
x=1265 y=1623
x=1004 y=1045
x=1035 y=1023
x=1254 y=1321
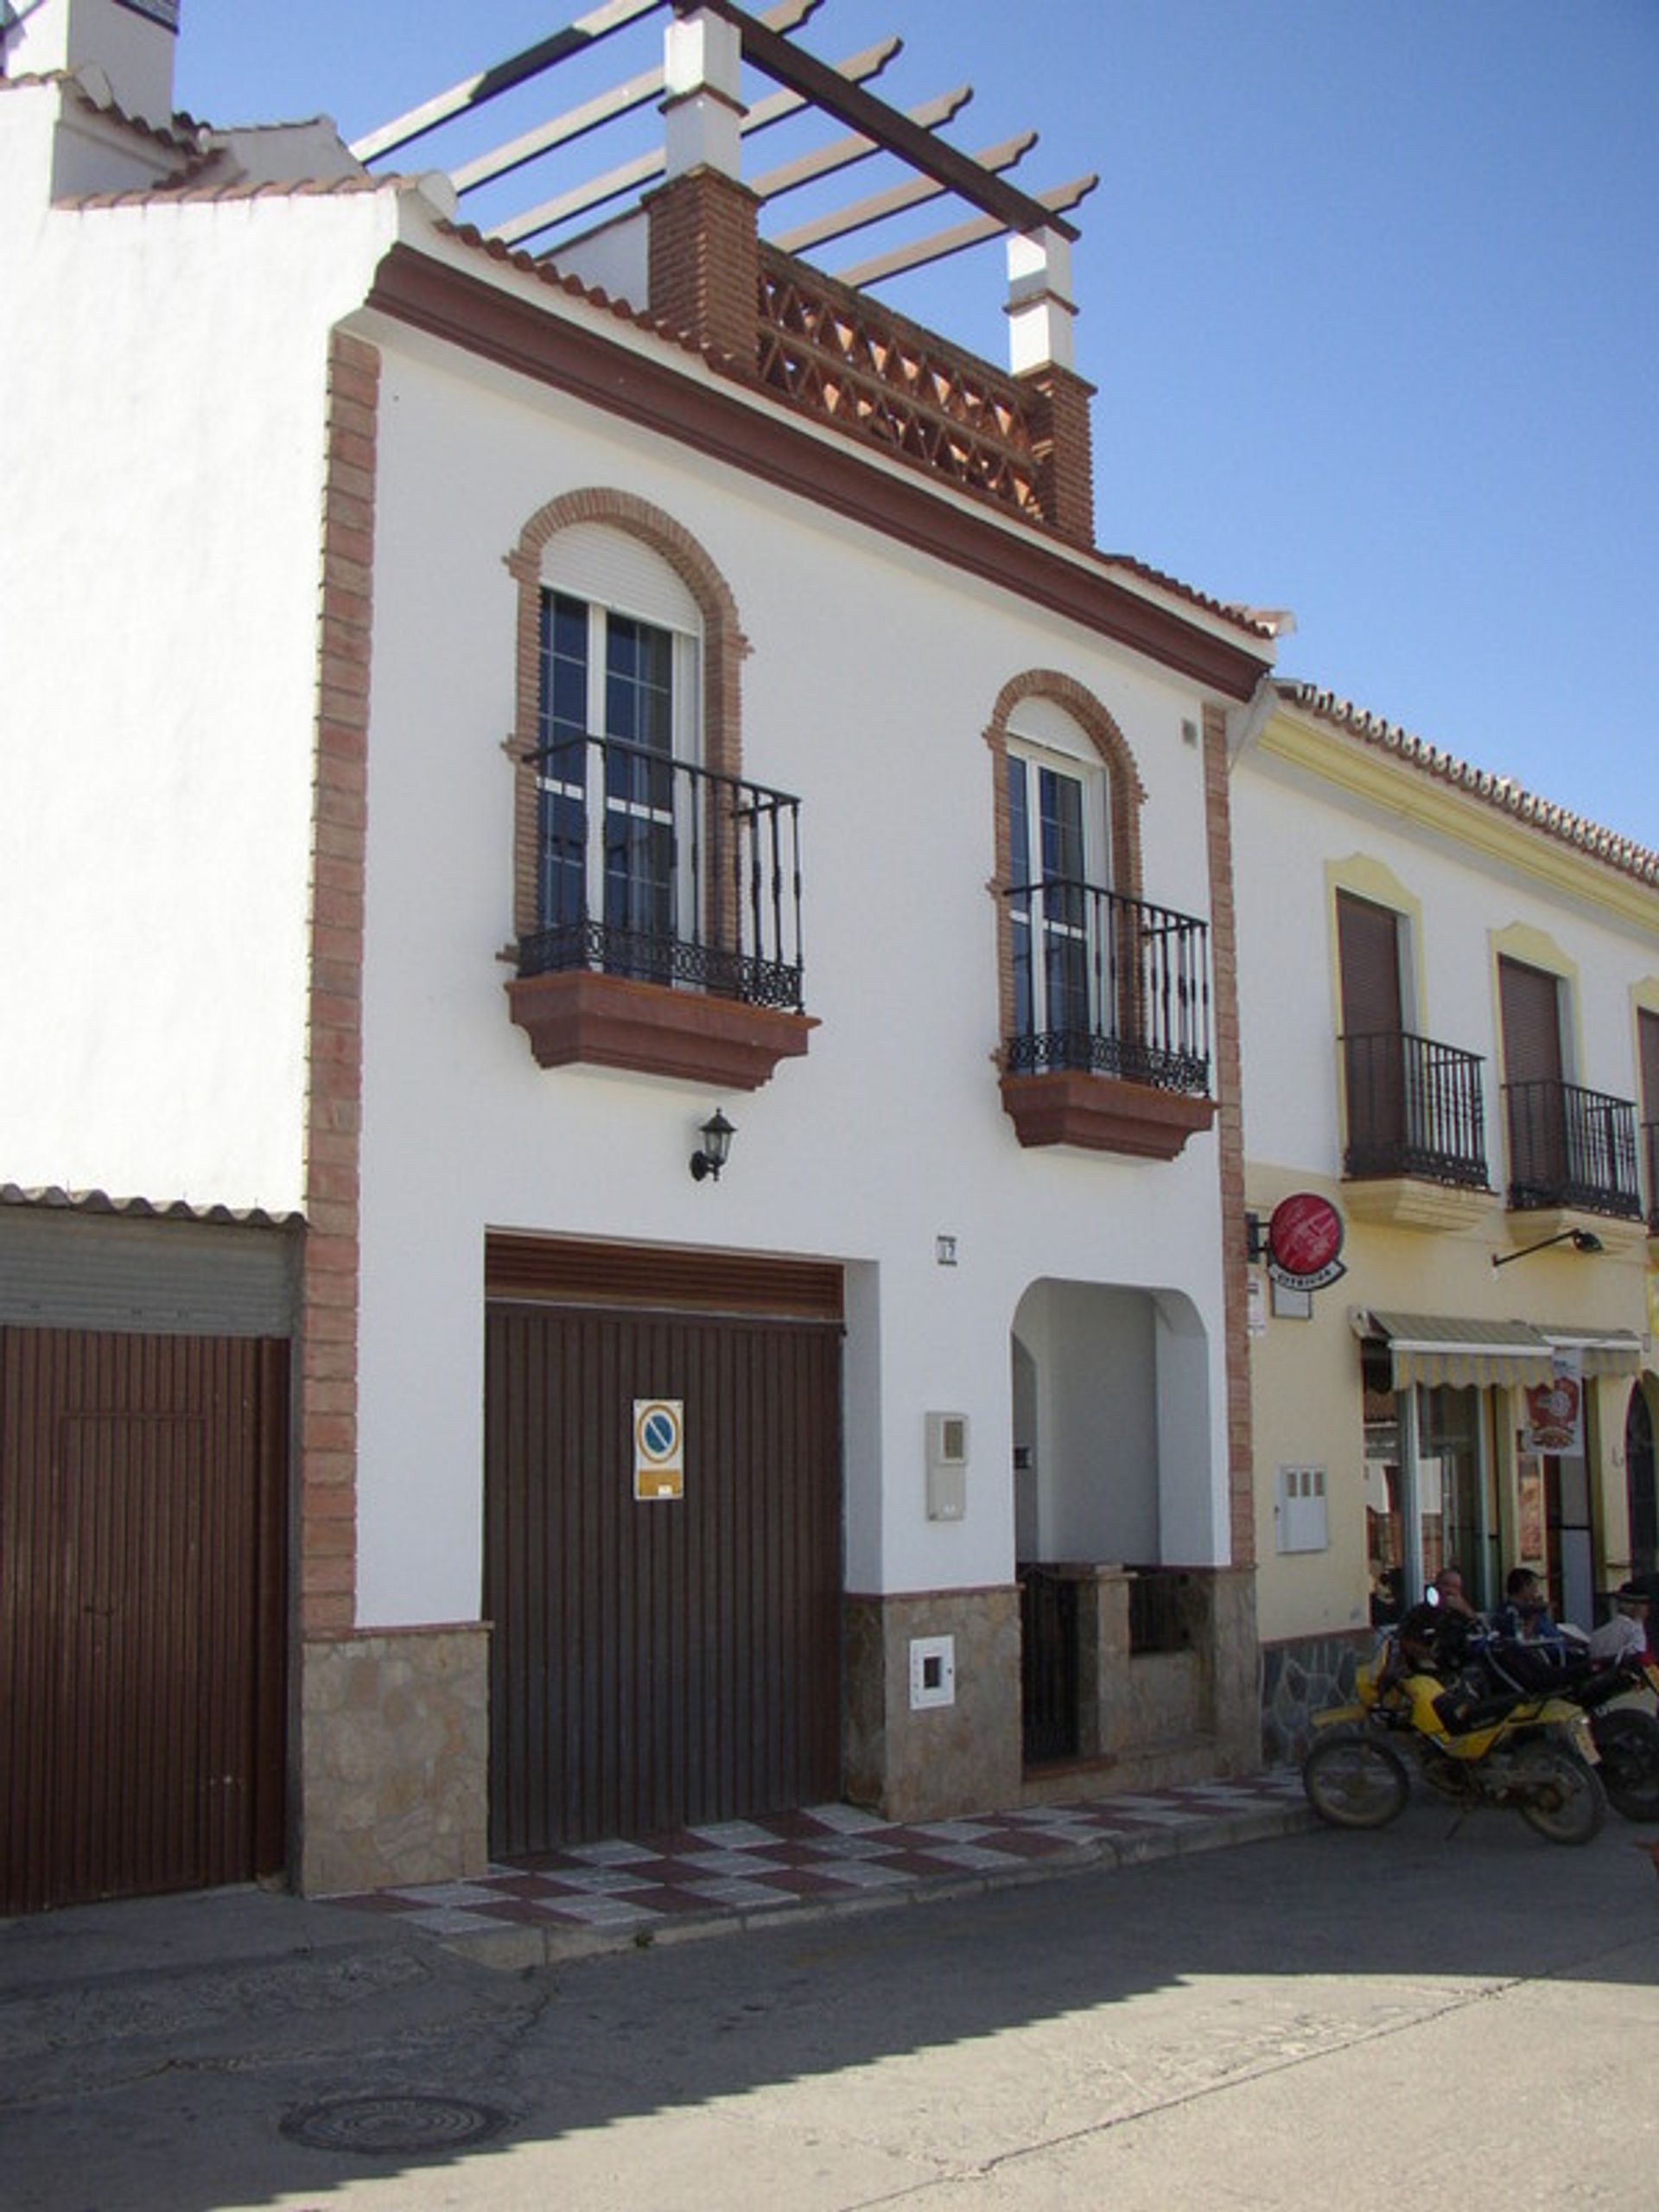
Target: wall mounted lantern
x=1581 y=1240
x=716 y=1134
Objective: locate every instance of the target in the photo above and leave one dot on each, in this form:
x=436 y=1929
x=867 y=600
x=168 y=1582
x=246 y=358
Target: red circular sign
x=1305 y=1235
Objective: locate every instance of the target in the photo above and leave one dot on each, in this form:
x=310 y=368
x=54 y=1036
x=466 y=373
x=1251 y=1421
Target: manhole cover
x=374 y=2125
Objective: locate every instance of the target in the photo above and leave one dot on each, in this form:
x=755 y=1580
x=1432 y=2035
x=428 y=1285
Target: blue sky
x=1370 y=290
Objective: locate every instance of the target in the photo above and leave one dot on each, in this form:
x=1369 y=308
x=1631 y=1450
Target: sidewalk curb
x=522 y=1949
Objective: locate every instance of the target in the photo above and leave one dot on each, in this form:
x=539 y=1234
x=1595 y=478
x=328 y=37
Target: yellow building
x=1449 y=1004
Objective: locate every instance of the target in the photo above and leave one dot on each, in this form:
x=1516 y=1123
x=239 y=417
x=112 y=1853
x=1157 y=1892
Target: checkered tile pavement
x=626 y=1891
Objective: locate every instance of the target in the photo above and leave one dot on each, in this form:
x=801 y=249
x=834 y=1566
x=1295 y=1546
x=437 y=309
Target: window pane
x=1067 y=980
x=1018 y=823
x=562 y=814
x=638 y=884
x=1060 y=800
x=638 y=683
x=607 y=851
x=564 y=666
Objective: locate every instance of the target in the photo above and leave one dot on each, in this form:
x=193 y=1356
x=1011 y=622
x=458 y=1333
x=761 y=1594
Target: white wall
x=1096 y=1441
x=158 y=591
x=872 y=676
x=132 y=51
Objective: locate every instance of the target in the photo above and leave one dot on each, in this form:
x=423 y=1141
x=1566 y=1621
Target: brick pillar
x=705 y=262
x=1062 y=445
x=327 y=1393
x=1223 y=953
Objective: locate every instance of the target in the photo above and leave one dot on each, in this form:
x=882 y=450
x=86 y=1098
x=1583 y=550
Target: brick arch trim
x=1123 y=780
x=1102 y=730
x=724 y=647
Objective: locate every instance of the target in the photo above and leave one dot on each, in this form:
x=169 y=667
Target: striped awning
x=1601 y=1352
x=1453 y=1350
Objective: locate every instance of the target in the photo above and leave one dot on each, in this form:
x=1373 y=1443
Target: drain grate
x=374 y=2127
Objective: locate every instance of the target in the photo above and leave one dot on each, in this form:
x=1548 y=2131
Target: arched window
x=1068 y=848
x=1104 y=998
x=1059 y=812
x=618 y=756
x=641 y=854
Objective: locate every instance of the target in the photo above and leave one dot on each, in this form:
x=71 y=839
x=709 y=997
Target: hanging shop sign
x=1304 y=1242
x=1555 y=1415
x=658 y=1449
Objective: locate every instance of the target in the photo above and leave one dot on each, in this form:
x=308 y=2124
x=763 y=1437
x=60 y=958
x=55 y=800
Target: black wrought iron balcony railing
x=1108 y=985
x=1572 y=1147
x=667 y=872
x=1415 y=1108
x=1650 y=1155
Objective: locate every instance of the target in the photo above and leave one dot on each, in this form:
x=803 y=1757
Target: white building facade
x=471 y=733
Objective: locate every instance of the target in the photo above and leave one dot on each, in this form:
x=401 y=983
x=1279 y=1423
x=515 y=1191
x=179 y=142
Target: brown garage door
x=141 y=1547
x=664 y=1662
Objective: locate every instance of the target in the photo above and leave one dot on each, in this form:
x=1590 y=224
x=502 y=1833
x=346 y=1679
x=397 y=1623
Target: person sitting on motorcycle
x=1433 y=1636
x=1448 y=1589
x=1531 y=1650
x=1523 y=1618
x=1414 y=1640
x=1626 y=1633
x=1432 y=1662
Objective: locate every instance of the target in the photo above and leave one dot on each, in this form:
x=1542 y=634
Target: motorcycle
x=1621 y=1697
x=1472 y=1744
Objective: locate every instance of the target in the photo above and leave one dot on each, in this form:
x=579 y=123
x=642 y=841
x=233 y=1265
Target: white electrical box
x=932 y=1671
x=947 y=1466
x=1298 y=1508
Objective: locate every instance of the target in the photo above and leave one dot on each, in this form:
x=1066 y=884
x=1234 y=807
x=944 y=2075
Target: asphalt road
x=1363 y=2020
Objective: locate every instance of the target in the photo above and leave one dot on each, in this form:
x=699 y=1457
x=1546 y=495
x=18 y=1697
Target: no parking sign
x=658 y=1449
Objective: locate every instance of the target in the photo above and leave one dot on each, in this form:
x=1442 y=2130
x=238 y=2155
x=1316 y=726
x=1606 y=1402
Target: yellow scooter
x=1534 y=1752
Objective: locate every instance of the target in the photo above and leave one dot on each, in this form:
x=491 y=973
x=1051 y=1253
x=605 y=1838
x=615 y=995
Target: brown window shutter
x=1368 y=948
x=572 y=1271
x=1647 y=1031
x=1531 y=1002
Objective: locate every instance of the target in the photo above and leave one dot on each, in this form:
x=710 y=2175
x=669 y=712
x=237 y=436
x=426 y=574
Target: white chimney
x=129 y=43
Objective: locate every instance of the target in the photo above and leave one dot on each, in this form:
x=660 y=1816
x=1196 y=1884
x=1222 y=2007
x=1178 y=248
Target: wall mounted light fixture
x=1581 y=1240
x=716 y=1134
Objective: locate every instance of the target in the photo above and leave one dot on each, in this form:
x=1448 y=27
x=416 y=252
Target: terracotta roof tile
x=594 y=295
x=201 y=192
x=185 y=132
x=1508 y=797
x=54 y=1196
x=1244 y=617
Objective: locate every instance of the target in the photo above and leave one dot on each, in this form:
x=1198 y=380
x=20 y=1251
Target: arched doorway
x=1113 y=1520
x=1639 y=1483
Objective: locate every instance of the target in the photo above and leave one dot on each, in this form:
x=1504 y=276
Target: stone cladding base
x=1299 y=1679
x=393 y=1759
x=930 y=1764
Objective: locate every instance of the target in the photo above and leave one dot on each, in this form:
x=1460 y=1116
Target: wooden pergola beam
x=842 y=153
x=941 y=244
x=862 y=214
x=789 y=65
x=489 y=84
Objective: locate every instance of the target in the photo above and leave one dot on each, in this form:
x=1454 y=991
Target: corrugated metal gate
x=141 y=1608
x=661 y=1663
